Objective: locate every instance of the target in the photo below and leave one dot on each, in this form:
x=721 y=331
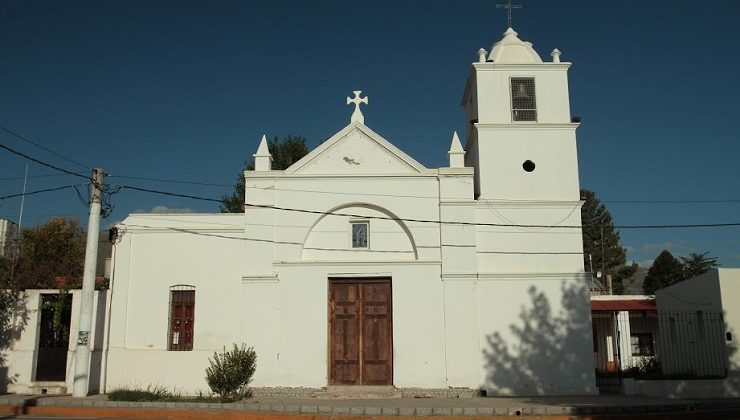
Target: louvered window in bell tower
x=523 y=100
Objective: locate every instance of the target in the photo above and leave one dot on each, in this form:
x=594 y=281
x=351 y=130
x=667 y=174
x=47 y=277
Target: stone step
x=48 y=388
x=359 y=392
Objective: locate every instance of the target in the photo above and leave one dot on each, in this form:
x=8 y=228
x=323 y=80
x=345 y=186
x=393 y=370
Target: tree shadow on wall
x=13 y=320
x=545 y=352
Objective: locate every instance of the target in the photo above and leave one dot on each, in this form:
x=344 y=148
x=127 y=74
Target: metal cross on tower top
x=509 y=6
x=357 y=115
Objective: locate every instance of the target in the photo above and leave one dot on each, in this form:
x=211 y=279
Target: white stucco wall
x=729 y=281
x=535 y=334
x=504 y=248
x=155 y=253
x=551 y=87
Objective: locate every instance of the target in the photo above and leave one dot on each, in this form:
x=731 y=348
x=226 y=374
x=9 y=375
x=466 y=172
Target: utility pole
x=17 y=244
x=603 y=257
x=82 y=362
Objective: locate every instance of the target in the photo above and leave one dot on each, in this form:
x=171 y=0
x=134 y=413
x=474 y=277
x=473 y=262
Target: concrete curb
x=459 y=409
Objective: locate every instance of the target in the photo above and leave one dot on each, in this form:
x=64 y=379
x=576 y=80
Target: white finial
x=263 y=158
x=482 y=55
x=555 y=55
x=357 y=115
x=456 y=153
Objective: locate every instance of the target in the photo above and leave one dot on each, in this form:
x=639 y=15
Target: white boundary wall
x=23 y=352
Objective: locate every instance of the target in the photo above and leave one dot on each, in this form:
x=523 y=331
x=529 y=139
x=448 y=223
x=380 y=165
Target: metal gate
x=51 y=360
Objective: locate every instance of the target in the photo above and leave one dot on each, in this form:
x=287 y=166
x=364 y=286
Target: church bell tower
x=520 y=137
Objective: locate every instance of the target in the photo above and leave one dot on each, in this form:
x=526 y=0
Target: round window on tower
x=528 y=165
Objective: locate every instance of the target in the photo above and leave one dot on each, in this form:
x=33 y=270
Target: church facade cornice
x=281 y=174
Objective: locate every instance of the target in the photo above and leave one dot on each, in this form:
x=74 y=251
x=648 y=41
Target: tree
x=696 y=264
x=54 y=249
x=284 y=153
x=7 y=300
x=5 y=264
x=665 y=271
x=597 y=225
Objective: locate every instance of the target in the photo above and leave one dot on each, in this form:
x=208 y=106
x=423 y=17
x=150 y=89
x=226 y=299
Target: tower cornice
x=526 y=125
x=493 y=66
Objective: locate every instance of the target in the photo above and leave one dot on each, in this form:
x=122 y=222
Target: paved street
x=581 y=407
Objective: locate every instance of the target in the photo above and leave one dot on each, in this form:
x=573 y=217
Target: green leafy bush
x=231 y=372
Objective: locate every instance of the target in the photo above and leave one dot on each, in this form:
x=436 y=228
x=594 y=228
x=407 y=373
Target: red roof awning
x=623 y=305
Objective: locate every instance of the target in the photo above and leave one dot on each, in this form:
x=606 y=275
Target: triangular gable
x=356 y=149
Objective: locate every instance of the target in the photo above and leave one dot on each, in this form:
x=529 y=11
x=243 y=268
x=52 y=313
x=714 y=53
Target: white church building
x=360 y=266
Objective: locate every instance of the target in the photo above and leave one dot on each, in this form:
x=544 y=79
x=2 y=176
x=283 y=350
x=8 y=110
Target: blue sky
x=183 y=90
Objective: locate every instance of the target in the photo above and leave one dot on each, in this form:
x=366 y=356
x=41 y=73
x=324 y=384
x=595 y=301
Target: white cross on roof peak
x=357 y=114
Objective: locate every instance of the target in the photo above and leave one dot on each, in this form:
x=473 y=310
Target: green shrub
x=231 y=372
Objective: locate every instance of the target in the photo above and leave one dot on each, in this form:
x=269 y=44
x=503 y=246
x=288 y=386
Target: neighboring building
x=359 y=266
x=708 y=346
x=680 y=343
x=625 y=330
x=8 y=231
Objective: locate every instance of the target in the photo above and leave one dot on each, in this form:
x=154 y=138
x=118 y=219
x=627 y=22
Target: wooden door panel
x=345 y=333
x=360 y=342
x=376 y=334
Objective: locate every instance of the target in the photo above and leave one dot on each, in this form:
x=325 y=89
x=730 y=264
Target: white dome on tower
x=512 y=50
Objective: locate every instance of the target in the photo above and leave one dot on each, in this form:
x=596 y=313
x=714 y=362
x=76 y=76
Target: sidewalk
x=587 y=407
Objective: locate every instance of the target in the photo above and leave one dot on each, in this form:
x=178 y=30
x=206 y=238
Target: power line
x=248 y=239
x=668 y=226
x=174 y=181
x=40 y=191
x=25 y=215
x=194 y=197
x=48 y=165
x=26 y=139
x=503 y=200
x=670 y=201
x=16 y=178
x=179 y=181
x=695 y=225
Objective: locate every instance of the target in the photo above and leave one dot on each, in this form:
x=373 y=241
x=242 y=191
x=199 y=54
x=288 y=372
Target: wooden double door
x=360 y=332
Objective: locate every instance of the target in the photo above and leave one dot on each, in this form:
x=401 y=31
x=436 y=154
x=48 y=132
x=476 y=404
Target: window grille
x=182 y=318
x=642 y=344
x=523 y=99
x=360 y=232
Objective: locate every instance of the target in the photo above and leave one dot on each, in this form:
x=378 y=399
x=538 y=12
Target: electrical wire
x=671 y=226
x=26 y=139
x=173 y=181
x=178 y=181
x=17 y=178
x=194 y=197
x=670 y=201
x=48 y=165
x=248 y=239
x=41 y=191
